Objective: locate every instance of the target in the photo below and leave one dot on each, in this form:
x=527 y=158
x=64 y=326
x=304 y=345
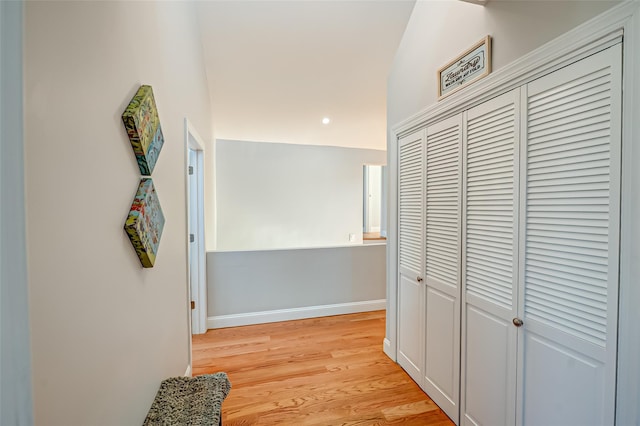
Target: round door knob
x=517 y=322
x=419 y=279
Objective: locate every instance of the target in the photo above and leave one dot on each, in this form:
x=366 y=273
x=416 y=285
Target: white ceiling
x=276 y=68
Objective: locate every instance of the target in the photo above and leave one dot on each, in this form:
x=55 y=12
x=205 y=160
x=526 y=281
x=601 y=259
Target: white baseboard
x=386 y=348
x=249 y=318
x=188 y=372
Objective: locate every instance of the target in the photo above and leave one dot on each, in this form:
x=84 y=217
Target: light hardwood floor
x=320 y=371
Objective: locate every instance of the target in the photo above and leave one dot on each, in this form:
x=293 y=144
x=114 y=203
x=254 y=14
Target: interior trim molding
x=386 y=348
x=187 y=372
x=250 y=318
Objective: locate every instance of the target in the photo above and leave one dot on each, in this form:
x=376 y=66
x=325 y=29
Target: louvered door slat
x=490 y=195
x=578 y=88
x=410 y=254
x=442 y=262
x=410 y=201
x=569 y=255
x=443 y=186
x=489 y=262
x=571 y=109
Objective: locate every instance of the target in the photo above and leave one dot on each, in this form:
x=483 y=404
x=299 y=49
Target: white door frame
x=196 y=251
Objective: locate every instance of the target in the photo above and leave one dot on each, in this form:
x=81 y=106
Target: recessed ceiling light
x=326 y=120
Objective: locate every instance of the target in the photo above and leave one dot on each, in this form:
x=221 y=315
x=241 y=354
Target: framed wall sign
x=470 y=66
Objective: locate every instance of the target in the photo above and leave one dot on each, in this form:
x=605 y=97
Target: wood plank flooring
x=320 y=371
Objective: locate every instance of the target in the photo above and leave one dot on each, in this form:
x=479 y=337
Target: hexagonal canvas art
x=143 y=128
x=145 y=223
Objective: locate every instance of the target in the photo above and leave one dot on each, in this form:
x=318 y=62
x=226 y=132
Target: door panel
x=571 y=237
x=490 y=265
x=410 y=353
x=442 y=342
x=554 y=371
x=410 y=255
x=488 y=380
x=442 y=216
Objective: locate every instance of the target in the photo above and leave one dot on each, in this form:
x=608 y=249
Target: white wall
x=105 y=331
x=272 y=195
x=15 y=358
x=247 y=287
x=440 y=30
x=431 y=39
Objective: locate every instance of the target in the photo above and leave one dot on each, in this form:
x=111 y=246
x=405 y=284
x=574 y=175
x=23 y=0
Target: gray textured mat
x=194 y=401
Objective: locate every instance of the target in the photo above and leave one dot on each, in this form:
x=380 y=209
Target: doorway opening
x=196 y=251
x=374 y=203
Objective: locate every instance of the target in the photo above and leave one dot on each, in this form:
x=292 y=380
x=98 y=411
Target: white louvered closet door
x=443 y=167
x=570 y=236
x=411 y=254
x=490 y=262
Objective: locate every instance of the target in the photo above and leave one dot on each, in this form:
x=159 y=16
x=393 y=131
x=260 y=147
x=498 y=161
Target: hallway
x=320 y=371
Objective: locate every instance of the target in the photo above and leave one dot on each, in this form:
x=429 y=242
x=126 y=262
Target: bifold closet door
x=443 y=166
x=411 y=255
x=490 y=262
x=570 y=196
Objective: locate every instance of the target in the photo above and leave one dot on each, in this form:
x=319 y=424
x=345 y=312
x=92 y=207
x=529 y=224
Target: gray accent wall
x=15 y=357
x=256 y=281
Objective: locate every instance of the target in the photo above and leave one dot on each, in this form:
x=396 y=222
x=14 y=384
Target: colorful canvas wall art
x=145 y=223
x=143 y=128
